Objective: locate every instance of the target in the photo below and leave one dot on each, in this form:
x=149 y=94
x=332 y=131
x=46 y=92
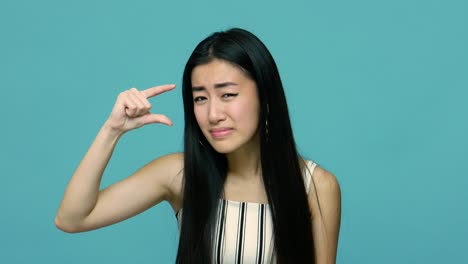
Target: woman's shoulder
x=321 y=177
x=173 y=159
x=324 y=188
x=324 y=180
x=170 y=167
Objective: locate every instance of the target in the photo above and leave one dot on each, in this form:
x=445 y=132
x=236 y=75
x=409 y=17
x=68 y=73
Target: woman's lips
x=220 y=132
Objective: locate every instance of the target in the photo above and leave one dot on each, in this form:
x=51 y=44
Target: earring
x=199 y=141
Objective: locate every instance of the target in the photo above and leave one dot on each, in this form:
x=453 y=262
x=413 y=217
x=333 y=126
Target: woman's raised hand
x=132 y=109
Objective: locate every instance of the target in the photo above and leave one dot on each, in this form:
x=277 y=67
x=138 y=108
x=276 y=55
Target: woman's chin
x=224 y=147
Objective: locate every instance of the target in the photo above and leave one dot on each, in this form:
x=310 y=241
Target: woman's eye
x=199 y=99
x=227 y=95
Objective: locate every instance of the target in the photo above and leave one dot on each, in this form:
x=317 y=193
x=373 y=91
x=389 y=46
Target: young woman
x=240 y=190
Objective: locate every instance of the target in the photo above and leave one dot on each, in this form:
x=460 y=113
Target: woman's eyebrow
x=217 y=85
x=225 y=84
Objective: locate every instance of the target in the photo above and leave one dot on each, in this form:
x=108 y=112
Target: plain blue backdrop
x=377 y=90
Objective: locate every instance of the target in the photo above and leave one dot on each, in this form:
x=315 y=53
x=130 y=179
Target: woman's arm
x=83 y=206
x=325 y=205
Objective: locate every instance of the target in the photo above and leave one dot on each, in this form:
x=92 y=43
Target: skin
x=224 y=97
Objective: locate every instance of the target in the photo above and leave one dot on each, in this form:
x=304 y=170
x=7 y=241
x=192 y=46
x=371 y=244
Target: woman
x=241 y=191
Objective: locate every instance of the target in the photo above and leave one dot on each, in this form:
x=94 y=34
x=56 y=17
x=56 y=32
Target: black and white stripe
x=219 y=233
x=241 y=233
x=244 y=230
x=261 y=234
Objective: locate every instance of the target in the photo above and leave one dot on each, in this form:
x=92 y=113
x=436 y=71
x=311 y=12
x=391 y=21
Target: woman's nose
x=216 y=112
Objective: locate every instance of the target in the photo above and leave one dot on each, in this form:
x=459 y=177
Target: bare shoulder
x=324 y=191
x=171 y=162
x=325 y=181
x=325 y=205
x=171 y=165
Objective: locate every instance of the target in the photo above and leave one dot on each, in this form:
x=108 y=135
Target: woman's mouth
x=220 y=132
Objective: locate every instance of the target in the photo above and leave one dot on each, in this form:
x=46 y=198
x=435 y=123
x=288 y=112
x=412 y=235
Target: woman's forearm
x=82 y=191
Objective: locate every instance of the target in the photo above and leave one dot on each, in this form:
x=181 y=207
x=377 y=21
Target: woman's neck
x=245 y=163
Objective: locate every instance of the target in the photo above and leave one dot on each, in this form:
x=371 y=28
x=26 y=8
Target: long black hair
x=205 y=169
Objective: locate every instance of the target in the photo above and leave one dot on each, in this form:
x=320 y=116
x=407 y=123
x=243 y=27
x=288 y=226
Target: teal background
x=377 y=91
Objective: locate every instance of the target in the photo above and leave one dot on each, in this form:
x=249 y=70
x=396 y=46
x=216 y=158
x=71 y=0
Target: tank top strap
x=308 y=171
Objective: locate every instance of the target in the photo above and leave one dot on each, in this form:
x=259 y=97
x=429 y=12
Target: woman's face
x=226 y=105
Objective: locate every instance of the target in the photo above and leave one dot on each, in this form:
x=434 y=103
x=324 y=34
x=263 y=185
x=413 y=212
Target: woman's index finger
x=153 y=91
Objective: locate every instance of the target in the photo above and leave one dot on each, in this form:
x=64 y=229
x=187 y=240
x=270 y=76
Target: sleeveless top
x=244 y=230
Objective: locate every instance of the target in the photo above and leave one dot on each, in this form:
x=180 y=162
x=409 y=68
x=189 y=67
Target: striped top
x=244 y=230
